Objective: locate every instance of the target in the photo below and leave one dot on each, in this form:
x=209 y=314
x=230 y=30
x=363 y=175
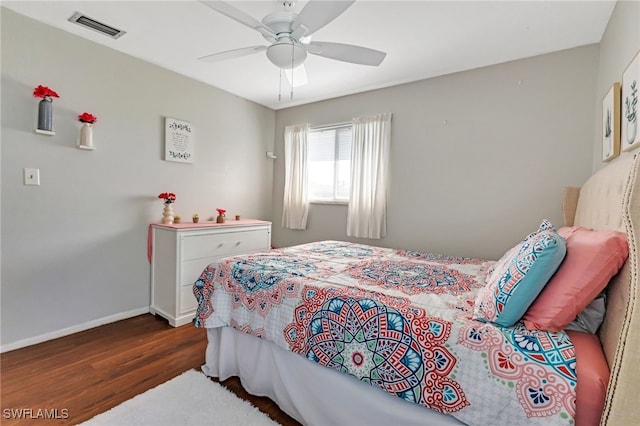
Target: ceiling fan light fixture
x=286 y=55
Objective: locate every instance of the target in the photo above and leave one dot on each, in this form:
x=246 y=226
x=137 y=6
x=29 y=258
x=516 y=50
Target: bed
x=344 y=333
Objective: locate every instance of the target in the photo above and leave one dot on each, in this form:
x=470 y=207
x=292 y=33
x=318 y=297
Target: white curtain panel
x=367 y=213
x=295 y=206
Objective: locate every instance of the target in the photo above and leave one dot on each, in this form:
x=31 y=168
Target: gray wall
x=620 y=42
x=478 y=158
x=74 y=248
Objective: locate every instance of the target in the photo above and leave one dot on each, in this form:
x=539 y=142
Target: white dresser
x=180 y=252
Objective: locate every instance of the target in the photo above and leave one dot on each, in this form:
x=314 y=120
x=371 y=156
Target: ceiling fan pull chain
x=280 y=87
x=293 y=52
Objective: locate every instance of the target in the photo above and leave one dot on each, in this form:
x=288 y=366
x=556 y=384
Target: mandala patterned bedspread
x=398 y=320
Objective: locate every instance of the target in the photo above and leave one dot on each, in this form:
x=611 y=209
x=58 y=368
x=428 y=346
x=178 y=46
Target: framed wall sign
x=630 y=105
x=611 y=123
x=178 y=140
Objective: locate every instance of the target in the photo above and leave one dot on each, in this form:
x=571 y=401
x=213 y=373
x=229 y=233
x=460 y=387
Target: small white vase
x=85 y=140
x=607 y=148
x=167 y=214
x=632 y=130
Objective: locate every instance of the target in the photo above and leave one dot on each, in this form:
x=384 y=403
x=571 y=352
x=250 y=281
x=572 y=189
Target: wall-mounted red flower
x=86 y=117
x=42 y=91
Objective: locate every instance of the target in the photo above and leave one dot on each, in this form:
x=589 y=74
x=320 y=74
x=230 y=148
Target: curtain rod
x=331 y=126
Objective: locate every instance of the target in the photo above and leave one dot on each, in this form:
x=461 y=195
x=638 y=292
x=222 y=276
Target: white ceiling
x=422 y=39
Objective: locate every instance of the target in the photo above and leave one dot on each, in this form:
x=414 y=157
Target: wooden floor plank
x=92 y=371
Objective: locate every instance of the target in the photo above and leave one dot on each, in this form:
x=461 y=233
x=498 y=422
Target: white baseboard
x=70 y=330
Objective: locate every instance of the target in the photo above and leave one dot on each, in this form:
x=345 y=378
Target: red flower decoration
x=42 y=91
x=168 y=197
x=221 y=211
x=85 y=117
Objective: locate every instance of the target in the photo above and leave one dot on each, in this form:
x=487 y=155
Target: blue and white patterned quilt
x=398 y=320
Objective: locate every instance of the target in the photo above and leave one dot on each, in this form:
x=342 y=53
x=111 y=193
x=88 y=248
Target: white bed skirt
x=310 y=393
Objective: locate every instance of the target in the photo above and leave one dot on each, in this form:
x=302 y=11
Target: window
x=329 y=163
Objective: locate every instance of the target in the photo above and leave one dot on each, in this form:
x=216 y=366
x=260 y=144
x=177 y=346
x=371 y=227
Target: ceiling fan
x=288 y=34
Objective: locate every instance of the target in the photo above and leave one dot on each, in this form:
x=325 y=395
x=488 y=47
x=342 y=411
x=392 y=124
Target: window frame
x=336 y=150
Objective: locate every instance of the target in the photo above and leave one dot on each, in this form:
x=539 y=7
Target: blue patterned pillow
x=528 y=268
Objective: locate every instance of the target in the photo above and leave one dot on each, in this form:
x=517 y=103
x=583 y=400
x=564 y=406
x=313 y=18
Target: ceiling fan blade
x=346 y=52
x=235 y=53
x=239 y=16
x=316 y=14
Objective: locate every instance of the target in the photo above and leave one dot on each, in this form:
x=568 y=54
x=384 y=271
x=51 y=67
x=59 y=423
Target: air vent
x=87 y=22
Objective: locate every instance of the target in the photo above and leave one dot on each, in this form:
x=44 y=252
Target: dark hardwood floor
x=87 y=373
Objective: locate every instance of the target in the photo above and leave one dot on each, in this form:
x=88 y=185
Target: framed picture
x=630 y=81
x=611 y=123
x=178 y=141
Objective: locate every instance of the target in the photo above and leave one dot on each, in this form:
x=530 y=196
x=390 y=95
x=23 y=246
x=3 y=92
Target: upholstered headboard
x=610 y=200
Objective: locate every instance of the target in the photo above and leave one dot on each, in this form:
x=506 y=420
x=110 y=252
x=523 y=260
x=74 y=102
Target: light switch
x=32 y=176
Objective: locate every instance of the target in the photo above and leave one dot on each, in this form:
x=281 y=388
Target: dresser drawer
x=220 y=245
x=188 y=301
x=191 y=269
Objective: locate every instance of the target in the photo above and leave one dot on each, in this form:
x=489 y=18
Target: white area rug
x=189 y=399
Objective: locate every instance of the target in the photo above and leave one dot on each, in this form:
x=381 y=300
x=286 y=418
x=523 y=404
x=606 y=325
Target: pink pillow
x=593 y=378
x=593 y=258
